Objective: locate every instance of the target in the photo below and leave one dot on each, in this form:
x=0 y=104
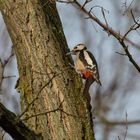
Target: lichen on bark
x=40 y=49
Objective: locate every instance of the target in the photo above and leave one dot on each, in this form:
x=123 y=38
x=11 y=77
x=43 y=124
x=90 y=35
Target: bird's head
x=77 y=49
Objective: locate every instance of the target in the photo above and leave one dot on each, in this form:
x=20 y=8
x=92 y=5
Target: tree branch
x=117 y=122
x=15 y=128
x=2 y=68
x=109 y=30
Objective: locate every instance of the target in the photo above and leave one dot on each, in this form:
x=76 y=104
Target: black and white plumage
x=85 y=63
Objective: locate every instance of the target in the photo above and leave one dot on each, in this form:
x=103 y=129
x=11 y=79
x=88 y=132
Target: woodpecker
x=85 y=63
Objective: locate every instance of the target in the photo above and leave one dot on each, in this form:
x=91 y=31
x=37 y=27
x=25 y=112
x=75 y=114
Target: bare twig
x=43 y=113
x=119 y=138
x=121 y=53
x=52 y=111
x=134 y=17
x=135 y=26
x=112 y=32
x=40 y=114
x=41 y=89
x=116 y=35
x=130 y=29
x=109 y=30
x=129 y=55
x=127 y=8
x=68 y=114
x=103 y=13
x=86 y=2
x=126 y=127
x=2 y=66
x=117 y=122
x=5 y=77
x=17 y=130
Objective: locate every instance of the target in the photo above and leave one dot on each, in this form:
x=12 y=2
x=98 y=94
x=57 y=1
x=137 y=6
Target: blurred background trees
x=116 y=104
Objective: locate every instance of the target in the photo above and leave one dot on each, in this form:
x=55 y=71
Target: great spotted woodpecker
x=85 y=63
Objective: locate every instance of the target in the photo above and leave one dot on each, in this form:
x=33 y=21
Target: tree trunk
x=46 y=82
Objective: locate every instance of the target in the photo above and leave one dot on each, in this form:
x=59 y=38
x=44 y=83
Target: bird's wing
x=92 y=57
x=87 y=58
x=96 y=70
x=82 y=58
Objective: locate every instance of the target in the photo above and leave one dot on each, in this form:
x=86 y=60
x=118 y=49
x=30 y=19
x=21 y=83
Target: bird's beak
x=71 y=52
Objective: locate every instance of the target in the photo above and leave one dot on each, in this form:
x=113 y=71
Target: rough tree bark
x=46 y=82
x=9 y=122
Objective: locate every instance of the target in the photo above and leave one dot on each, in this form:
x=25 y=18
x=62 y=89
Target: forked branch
x=121 y=39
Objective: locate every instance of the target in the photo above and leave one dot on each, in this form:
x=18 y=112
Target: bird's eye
x=75 y=47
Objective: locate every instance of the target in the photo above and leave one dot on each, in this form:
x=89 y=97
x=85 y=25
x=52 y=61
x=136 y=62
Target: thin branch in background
x=105 y=121
x=112 y=32
x=132 y=43
x=103 y=13
x=98 y=6
x=129 y=55
x=130 y=30
x=92 y=8
x=1 y=73
x=121 y=53
x=2 y=68
x=8 y=59
x=119 y=138
x=132 y=136
x=127 y=8
x=116 y=35
x=124 y=4
x=134 y=27
x=134 y=19
x=138 y=33
x=93 y=26
x=86 y=2
x=5 y=77
x=130 y=4
x=126 y=127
